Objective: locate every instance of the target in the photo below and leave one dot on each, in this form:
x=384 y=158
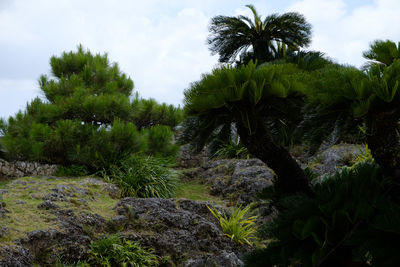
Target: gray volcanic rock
x=183 y=229
x=328 y=161
x=15 y=256
x=238 y=180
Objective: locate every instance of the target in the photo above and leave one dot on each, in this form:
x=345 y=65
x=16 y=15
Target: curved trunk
x=291 y=178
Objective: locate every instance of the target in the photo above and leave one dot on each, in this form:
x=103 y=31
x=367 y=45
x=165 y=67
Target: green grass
x=24 y=218
x=195 y=190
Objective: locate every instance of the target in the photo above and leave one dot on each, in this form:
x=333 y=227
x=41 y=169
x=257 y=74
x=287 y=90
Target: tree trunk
x=384 y=144
x=291 y=178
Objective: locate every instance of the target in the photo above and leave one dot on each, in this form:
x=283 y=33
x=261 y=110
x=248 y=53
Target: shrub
x=145 y=176
x=159 y=141
x=232 y=151
x=239 y=226
x=350 y=221
x=116 y=251
x=72 y=170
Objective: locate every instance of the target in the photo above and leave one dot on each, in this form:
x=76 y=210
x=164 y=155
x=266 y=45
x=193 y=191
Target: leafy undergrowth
x=24 y=195
x=195 y=190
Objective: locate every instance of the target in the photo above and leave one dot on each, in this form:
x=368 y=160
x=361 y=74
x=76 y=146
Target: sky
x=161 y=44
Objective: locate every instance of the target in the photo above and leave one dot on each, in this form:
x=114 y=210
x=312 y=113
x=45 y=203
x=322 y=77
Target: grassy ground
x=195 y=190
x=25 y=194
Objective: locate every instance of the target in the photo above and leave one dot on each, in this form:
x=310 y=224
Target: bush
x=351 y=220
x=70 y=171
x=145 y=176
x=232 y=151
x=116 y=251
x=239 y=226
x=159 y=141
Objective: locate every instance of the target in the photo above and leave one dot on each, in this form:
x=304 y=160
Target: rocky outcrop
x=184 y=230
x=326 y=162
x=23 y=168
x=237 y=180
x=188 y=159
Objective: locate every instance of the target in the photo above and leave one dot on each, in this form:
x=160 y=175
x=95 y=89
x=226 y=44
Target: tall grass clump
x=145 y=176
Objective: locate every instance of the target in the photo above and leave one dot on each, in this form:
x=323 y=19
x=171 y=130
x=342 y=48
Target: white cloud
x=19 y=93
x=161 y=44
x=343 y=34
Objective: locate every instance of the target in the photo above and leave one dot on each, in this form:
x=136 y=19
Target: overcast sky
x=160 y=44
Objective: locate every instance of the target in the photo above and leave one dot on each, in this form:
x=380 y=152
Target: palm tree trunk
x=291 y=178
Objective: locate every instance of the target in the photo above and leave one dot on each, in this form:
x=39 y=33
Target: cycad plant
x=251 y=98
x=350 y=221
x=255 y=38
x=345 y=97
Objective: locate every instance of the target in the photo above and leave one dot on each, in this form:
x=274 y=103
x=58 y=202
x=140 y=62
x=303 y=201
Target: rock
x=47 y=205
x=15 y=256
x=119 y=221
x=224 y=259
x=237 y=180
x=3 y=210
x=187 y=159
x=3 y=231
x=328 y=161
x=23 y=168
x=49 y=246
x=3 y=191
x=111 y=189
x=182 y=229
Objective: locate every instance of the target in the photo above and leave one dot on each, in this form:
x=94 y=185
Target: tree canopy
x=87 y=117
x=255 y=38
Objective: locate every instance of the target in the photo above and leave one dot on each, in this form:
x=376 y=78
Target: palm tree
x=345 y=96
x=251 y=98
x=257 y=39
x=382 y=53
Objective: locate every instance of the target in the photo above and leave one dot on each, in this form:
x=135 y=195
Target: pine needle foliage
x=87 y=117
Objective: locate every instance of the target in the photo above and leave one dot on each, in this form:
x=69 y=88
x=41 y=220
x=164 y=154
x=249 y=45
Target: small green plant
x=364 y=155
x=232 y=151
x=239 y=226
x=145 y=176
x=116 y=251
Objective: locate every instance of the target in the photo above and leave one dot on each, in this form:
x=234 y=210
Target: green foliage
x=117 y=251
x=256 y=39
x=348 y=220
x=145 y=176
x=148 y=113
x=87 y=117
x=244 y=95
x=159 y=141
x=382 y=53
x=72 y=171
x=239 y=226
x=232 y=151
x=364 y=155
